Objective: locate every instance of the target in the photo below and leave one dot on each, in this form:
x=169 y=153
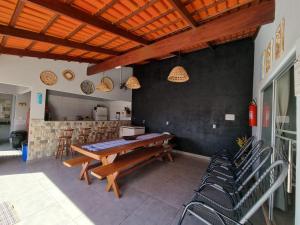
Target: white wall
x=118 y=106
x=26 y=71
x=12 y=89
x=290 y=10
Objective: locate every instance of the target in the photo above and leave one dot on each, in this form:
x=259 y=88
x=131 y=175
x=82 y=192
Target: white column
x=297 y=207
x=37 y=109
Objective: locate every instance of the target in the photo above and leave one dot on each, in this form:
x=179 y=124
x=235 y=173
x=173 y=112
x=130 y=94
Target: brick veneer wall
x=43 y=135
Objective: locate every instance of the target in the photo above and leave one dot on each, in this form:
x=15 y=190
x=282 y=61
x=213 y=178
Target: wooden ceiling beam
x=13 y=19
x=20 y=52
x=10 y=31
x=95 y=21
x=179 y=6
x=238 y=21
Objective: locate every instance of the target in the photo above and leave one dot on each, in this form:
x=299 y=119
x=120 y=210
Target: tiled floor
x=45 y=192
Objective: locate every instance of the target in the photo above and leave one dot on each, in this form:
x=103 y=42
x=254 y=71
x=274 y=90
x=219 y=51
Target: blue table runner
x=110 y=144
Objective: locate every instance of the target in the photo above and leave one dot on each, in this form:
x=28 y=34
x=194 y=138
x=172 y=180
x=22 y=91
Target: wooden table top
x=119 y=149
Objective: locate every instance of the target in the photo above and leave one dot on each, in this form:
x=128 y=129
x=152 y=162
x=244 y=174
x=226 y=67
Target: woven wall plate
x=108 y=82
x=68 y=74
x=48 y=77
x=87 y=87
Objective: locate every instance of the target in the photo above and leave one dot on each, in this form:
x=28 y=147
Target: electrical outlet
x=167 y=123
x=214 y=126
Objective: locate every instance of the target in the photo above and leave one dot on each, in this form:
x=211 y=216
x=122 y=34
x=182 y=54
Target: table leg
x=84 y=172
x=170 y=157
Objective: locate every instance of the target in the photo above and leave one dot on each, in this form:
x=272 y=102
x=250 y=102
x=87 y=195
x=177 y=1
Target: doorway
x=278 y=129
x=6 y=101
x=14 y=117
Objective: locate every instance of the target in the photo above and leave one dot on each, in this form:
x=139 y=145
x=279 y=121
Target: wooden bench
x=85 y=162
x=126 y=163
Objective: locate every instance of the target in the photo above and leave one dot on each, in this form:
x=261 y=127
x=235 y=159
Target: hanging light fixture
x=178 y=74
x=133 y=83
x=102 y=86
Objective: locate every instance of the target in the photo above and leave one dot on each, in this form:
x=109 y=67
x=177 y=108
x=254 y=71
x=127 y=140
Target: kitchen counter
x=43 y=135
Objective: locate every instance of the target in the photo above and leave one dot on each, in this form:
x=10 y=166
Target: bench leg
x=111 y=179
x=112 y=183
x=84 y=173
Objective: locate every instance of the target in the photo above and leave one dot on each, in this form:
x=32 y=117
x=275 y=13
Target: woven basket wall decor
x=48 y=77
x=68 y=74
x=87 y=87
x=106 y=85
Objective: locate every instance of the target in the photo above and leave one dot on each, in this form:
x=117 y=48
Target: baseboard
x=191 y=154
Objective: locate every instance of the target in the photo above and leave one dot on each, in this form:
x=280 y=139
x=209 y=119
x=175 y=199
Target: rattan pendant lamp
x=133 y=83
x=178 y=74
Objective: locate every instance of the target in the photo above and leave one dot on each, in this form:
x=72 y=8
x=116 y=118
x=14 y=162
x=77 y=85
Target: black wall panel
x=220 y=82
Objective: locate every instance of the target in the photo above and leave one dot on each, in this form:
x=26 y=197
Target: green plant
x=241 y=141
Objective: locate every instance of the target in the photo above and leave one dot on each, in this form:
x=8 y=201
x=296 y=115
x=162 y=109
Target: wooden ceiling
x=111 y=33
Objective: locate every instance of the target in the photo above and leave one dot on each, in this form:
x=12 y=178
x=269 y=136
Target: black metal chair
x=233 y=169
x=210 y=208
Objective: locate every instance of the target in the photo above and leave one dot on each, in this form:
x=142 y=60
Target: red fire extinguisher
x=252 y=113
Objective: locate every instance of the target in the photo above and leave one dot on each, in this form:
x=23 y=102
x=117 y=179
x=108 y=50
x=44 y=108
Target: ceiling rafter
x=147 y=5
x=247 y=18
x=86 y=18
x=197 y=12
x=105 y=8
x=153 y=19
x=20 y=52
x=110 y=41
x=177 y=4
x=13 y=20
x=53 y=40
x=98 y=34
x=48 y=25
x=163 y=26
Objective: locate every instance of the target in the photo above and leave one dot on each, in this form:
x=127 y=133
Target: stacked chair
x=235 y=186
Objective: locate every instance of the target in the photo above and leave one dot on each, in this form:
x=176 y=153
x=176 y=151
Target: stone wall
x=43 y=135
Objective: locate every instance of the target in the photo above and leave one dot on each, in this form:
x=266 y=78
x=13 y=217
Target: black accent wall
x=220 y=83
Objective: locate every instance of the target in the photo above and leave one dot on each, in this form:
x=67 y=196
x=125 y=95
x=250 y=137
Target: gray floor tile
x=46 y=192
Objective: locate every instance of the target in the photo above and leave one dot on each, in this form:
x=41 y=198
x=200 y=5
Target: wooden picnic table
x=109 y=155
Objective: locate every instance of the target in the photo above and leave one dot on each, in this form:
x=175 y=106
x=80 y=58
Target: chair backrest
x=244 y=158
x=256 y=162
x=269 y=181
x=246 y=146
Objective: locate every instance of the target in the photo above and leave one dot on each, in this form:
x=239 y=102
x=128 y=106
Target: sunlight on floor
x=10 y=153
x=38 y=200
